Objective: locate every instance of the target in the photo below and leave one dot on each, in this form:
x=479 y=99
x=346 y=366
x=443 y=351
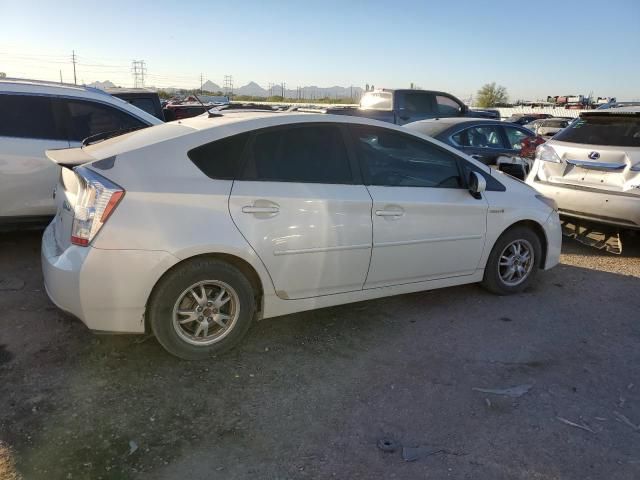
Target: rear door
x=426 y=225
x=301 y=205
x=29 y=125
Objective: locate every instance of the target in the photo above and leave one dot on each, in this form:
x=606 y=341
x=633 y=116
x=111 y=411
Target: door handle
x=389 y=213
x=252 y=209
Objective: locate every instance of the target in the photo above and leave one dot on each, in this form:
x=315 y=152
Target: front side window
x=29 y=116
x=515 y=137
x=447 y=106
x=90 y=118
x=479 y=137
x=397 y=160
x=307 y=154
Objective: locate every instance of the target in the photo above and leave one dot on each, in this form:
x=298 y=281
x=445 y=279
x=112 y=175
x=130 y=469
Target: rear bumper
x=609 y=208
x=106 y=289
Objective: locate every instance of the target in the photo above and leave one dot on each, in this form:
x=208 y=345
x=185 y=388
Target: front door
x=304 y=211
x=426 y=225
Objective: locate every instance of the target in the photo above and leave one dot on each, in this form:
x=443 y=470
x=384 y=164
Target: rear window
x=376 y=100
x=613 y=129
x=220 y=159
x=27 y=116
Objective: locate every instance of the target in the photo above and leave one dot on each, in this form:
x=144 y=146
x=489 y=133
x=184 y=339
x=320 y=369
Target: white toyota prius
x=193 y=229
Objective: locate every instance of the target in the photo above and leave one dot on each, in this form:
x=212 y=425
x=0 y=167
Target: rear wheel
x=513 y=262
x=201 y=308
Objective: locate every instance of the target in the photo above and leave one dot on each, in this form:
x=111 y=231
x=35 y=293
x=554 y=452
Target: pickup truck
x=405 y=106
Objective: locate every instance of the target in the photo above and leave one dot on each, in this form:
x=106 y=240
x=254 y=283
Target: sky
x=534 y=48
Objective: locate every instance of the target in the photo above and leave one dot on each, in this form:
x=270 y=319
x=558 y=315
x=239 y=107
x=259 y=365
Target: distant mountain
x=102 y=85
x=312 y=92
x=209 y=86
x=252 y=89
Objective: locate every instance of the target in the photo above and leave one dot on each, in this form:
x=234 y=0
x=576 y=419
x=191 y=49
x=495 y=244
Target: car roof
x=435 y=126
x=40 y=87
x=207 y=128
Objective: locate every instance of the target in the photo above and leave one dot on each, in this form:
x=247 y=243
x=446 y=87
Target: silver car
x=592 y=168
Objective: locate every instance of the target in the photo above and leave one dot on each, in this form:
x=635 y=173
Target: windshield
x=376 y=100
x=621 y=130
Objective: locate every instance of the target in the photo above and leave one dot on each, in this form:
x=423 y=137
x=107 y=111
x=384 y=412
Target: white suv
x=37 y=116
x=194 y=228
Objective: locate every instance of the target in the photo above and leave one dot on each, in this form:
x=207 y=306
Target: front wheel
x=513 y=262
x=201 y=308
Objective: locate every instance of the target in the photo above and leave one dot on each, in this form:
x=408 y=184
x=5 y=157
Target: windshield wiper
x=98 y=137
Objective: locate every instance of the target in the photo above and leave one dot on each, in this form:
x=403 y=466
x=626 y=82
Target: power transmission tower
x=282 y=86
x=228 y=85
x=138 y=70
x=73 y=60
x=201 y=84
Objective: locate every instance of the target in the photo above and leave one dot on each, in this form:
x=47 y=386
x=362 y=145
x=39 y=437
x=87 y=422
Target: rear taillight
x=97 y=199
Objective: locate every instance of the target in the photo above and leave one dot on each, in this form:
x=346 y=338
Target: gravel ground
x=311 y=395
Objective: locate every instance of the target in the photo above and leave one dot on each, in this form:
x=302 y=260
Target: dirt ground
x=311 y=395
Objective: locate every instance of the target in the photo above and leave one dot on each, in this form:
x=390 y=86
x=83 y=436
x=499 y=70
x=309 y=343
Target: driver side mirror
x=477 y=185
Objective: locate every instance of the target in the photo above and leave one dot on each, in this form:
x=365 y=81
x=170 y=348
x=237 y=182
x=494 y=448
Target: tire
x=181 y=328
x=496 y=275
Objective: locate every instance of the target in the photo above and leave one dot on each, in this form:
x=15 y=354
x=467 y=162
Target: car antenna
x=200 y=101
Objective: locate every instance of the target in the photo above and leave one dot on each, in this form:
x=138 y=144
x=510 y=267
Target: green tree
x=492 y=95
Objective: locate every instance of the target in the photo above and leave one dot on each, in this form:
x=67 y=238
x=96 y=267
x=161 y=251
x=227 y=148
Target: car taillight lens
x=97 y=199
x=547 y=153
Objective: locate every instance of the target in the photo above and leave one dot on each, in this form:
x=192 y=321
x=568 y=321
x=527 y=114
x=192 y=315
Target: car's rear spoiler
x=69 y=157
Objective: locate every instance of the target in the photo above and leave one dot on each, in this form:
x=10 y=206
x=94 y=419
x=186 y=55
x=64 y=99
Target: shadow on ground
x=309 y=395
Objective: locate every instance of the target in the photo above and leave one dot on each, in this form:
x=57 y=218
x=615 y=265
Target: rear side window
x=613 y=129
x=90 y=118
x=308 y=154
x=418 y=102
x=220 y=159
x=479 y=137
x=29 y=116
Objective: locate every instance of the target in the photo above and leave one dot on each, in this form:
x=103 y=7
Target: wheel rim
x=206 y=312
x=516 y=262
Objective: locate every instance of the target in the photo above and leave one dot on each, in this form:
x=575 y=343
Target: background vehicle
x=492 y=142
x=36 y=116
x=524 y=118
x=219 y=219
x=548 y=127
x=143 y=98
x=592 y=169
x=607 y=106
x=405 y=106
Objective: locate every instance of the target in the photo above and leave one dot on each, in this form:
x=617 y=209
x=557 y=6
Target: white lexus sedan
x=193 y=229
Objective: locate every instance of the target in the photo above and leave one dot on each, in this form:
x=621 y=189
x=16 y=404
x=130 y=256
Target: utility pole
x=200 y=83
x=282 y=85
x=138 y=69
x=228 y=85
x=60 y=75
x=73 y=59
